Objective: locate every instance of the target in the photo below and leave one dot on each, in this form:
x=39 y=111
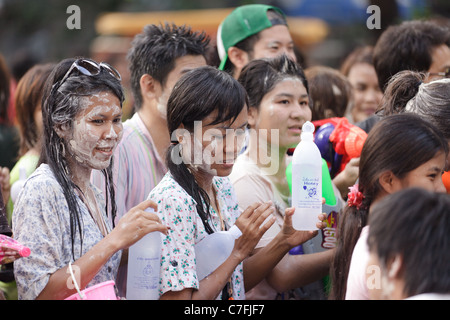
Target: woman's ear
x=62 y=130
x=252 y=116
x=389 y=182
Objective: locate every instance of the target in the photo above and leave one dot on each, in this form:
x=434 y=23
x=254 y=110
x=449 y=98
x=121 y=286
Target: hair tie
x=355 y=197
x=174 y=143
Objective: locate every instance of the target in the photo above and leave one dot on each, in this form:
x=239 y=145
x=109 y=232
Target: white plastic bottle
x=213 y=250
x=144 y=258
x=306 y=181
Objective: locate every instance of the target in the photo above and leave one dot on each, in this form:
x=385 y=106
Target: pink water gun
x=11 y=250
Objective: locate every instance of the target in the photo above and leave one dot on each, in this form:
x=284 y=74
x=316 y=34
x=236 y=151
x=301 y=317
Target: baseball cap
x=241 y=23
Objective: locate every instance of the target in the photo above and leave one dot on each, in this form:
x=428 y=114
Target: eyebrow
x=242 y=126
x=290 y=95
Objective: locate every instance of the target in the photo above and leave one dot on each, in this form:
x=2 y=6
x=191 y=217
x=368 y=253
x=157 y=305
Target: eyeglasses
x=89 y=68
x=445 y=74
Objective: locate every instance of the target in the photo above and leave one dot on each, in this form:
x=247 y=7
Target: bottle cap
x=235 y=231
x=307 y=131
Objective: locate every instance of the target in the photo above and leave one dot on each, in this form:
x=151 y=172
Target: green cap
x=241 y=23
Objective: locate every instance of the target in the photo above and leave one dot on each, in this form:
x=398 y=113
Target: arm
x=347 y=177
x=260 y=265
x=134 y=225
x=251 y=224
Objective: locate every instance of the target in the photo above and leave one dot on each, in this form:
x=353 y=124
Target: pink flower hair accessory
x=355 y=197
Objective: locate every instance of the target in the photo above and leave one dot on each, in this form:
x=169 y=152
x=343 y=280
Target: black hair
x=196 y=95
x=407 y=46
x=155 y=50
x=61 y=102
x=260 y=76
x=413 y=224
x=398 y=143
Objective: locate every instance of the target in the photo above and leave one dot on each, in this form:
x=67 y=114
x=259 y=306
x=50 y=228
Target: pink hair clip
x=355 y=197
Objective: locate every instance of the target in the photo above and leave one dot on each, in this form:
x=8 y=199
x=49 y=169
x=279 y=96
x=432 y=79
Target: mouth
x=295 y=129
x=105 y=150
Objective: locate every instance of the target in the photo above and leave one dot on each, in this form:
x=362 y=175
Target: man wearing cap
x=252 y=32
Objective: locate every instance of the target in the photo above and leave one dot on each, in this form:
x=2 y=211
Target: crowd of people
x=207 y=147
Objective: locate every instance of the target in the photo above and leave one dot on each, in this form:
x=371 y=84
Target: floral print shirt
x=177 y=209
x=41 y=221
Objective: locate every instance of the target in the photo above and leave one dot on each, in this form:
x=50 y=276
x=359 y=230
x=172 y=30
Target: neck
x=204 y=179
x=157 y=127
x=80 y=175
x=267 y=156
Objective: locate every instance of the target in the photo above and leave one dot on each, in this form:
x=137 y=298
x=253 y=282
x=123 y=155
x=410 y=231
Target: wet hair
x=329 y=89
x=407 y=46
x=248 y=44
x=398 y=143
x=28 y=99
x=406 y=92
x=61 y=103
x=155 y=50
x=219 y=93
x=260 y=76
x=413 y=224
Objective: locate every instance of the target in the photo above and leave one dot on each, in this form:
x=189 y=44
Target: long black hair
x=195 y=96
x=61 y=102
x=398 y=143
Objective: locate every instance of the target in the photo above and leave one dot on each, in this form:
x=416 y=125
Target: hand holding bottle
x=135 y=224
x=295 y=237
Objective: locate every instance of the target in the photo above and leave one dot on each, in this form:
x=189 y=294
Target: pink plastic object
x=101 y=291
x=8 y=244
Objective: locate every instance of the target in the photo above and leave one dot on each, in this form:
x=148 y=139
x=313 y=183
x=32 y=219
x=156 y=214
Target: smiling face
x=285 y=108
x=427 y=176
x=97 y=130
x=212 y=149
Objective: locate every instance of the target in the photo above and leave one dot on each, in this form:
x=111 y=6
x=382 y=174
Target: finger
x=260 y=210
x=147 y=205
x=250 y=209
x=263 y=216
x=266 y=226
x=158 y=227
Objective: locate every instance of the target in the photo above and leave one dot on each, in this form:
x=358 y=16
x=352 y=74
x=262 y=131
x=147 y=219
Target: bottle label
x=147 y=277
x=309 y=193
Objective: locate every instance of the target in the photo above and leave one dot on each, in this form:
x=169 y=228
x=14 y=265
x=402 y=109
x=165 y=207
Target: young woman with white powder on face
x=59 y=214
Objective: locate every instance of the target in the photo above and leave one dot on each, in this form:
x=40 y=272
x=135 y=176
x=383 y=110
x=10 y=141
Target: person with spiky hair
x=158 y=57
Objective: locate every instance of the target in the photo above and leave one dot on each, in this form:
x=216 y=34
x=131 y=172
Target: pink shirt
x=356 y=281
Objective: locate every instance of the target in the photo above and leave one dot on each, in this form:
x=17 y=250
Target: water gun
x=338 y=142
x=446 y=180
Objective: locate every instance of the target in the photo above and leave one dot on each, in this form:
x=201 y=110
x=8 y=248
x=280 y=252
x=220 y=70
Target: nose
x=113 y=131
x=440 y=187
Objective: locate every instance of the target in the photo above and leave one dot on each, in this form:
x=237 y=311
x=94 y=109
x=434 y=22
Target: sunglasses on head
x=90 y=68
x=445 y=74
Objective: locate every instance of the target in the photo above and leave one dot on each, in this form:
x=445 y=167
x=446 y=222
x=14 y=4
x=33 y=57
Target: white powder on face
x=89 y=136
